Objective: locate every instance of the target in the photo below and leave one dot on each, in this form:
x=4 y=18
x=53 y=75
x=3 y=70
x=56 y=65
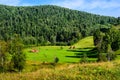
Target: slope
x=89 y=71
x=85 y=43
x=64 y=53
x=48 y=24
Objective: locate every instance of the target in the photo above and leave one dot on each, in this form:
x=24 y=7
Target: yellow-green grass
x=85 y=42
x=88 y=71
x=35 y=70
x=117 y=27
x=48 y=53
x=118 y=54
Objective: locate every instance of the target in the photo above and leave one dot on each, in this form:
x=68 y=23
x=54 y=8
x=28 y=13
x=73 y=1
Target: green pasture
x=64 y=53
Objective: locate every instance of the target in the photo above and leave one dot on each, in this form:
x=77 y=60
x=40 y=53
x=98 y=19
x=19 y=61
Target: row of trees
x=48 y=24
x=107 y=41
x=11 y=56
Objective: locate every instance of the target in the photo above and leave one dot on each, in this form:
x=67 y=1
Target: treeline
x=107 y=41
x=44 y=25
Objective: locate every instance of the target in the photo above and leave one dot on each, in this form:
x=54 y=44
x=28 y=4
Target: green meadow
x=64 y=53
x=67 y=68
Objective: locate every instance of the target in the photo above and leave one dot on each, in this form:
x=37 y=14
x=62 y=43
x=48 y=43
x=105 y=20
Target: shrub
x=56 y=60
x=84 y=58
x=18 y=57
x=3 y=56
x=19 y=61
x=102 y=57
x=61 y=47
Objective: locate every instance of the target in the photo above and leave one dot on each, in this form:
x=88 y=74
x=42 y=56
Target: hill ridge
x=43 y=25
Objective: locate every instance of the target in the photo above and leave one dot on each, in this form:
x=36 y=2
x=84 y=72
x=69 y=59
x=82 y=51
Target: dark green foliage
x=118 y=21
x=107 y=44
x=116 y=40
x=18 y=61
x=56 y=60
x=28 y=40
x=102 y=57
x=41 y=24
x=97 y=37
x=18 y=57
x=84 y=58
x=111 y=56
x=3 y=56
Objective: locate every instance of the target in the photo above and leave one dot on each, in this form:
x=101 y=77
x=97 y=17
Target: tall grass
x=86 y=71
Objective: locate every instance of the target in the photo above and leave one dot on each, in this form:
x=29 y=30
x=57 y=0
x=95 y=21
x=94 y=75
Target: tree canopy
x=107 y=42
x=48 y=24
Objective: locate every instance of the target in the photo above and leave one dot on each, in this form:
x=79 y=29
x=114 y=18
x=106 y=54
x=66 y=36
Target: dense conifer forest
x=48 y=24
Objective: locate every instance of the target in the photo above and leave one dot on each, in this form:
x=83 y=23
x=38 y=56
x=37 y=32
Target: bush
x=102 y=57
x=3 y=56
x=16 y=50
x=56 y=60
x=19 y=61
x=84 y=58
x=111 y=56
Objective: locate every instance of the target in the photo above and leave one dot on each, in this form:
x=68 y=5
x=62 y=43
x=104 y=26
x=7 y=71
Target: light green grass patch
x=48 y=53
x=85 y=42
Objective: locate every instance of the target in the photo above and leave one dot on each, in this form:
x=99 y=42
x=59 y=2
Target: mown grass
x=48 y=53
x=86 y=71
x=85 y=42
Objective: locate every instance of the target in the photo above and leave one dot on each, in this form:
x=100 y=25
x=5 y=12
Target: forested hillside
x=43 y=25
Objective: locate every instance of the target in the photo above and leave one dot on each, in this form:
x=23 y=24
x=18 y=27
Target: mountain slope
x=48 y=24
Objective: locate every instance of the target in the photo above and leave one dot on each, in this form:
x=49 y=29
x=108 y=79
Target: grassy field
x=88 y=71
x=66 y=69
x=48 y=53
